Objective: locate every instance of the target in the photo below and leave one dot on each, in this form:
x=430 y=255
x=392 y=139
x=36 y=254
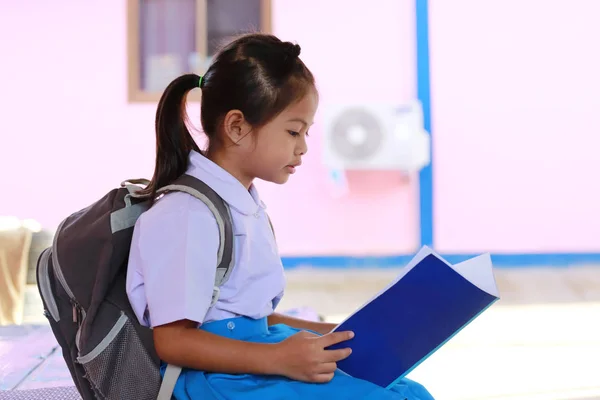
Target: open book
x=424 y=307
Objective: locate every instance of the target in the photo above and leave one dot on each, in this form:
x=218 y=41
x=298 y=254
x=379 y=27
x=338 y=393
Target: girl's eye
x=294 y=133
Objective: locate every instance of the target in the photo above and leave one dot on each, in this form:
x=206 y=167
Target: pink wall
x=363 y=59
x=515 y=99
x=69 y=135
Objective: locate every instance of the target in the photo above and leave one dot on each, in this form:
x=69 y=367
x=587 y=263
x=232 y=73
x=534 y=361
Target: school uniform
x=171 y=274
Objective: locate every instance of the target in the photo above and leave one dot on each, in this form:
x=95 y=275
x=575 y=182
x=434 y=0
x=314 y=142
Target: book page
x=423 y=252
x=479 y=271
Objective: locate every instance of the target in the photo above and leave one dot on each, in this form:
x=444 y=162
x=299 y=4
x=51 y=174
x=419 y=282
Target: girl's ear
x=235 y=126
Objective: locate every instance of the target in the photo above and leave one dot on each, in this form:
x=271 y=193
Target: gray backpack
x=81 y=279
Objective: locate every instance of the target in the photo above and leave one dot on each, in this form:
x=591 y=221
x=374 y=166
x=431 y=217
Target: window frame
x=135 y=93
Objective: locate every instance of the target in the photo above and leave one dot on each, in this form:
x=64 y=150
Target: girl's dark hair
x=257 y=74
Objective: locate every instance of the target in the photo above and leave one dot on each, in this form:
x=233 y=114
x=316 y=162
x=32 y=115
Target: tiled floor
x=540 y=342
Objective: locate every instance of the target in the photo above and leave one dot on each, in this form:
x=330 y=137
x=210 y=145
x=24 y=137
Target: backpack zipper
x=57 y=270
x=45 y=288
x=78 y=311
x=76 y=316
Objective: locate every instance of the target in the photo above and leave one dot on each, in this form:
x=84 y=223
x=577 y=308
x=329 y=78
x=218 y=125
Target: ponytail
x=173 y=139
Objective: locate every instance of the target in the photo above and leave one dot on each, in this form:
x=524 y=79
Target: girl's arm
x=182 y=343
x=302 y=356
x=320 y=327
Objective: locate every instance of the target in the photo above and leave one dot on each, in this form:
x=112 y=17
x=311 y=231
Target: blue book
x=424 y=307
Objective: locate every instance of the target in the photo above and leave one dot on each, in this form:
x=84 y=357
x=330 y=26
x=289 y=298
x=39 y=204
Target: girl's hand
x=303 y=357
x=324 y=328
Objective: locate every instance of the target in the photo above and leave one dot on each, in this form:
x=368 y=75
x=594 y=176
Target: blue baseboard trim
x=345 y=262
x=554 y=260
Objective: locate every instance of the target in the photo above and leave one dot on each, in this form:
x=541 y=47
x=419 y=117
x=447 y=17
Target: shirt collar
x=226 y=185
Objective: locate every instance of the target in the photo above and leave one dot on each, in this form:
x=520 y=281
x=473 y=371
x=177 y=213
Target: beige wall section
x=14 y=254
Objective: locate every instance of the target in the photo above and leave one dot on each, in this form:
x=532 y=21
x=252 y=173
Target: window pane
x=167 y=41
x=226 y=18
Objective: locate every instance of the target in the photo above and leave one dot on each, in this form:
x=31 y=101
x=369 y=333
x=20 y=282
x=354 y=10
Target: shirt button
x=256 y=214
x=230 y=325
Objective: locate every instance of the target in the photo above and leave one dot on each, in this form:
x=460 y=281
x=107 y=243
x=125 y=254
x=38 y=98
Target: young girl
x=258 y=103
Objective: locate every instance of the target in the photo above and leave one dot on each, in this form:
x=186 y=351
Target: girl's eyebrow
x=299 y=120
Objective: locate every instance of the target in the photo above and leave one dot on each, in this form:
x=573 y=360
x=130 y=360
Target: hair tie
x=200 y=81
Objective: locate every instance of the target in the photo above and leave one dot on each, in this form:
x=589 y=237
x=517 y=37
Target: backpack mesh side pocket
x=119 y=367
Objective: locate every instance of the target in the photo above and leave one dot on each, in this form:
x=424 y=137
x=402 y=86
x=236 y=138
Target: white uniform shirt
x=173 y=259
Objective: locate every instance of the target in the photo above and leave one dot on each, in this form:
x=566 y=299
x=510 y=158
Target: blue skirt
x=196 y=385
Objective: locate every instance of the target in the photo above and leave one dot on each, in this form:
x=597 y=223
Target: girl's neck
x=221 y=159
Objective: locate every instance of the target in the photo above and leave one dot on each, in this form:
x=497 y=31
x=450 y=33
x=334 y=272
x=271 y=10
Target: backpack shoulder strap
x=203 y=192
x=225 y=258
